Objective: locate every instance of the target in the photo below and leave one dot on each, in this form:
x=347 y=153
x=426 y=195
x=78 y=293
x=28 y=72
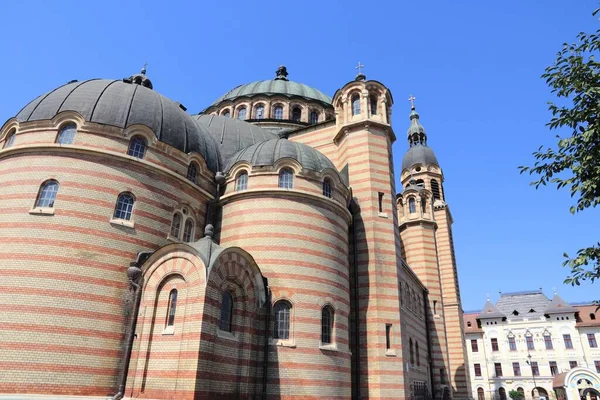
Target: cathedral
x=256 y=250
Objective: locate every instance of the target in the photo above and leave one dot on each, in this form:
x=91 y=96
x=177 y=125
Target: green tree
x=515 y=395
x=575 y=161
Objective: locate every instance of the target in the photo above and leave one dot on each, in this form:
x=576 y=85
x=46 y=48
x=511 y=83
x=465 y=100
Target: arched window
x=469 y=324
x=242 y=113
x=420 y=182
x=188 y=230
x=278 y=112
x=519 y=389
x=296 y=114
x=241 y=182
x=423 y=205
x=373 y=104
x=281 y=320
x=327 y=187
x=412 y=352
x=226 y=312
x=502 y=393
x=259 y=112
x=172 y=307
x=192 y=172
x=435 y=189
x=67 y=134
x=481 y=394
x=326 y=324
x=10 y=139
x=137 y=147
x=176 y=225
x=417 y=354
x=286 y=178
x=314 y=117
x=355 y=104
x=47 y=194
x=124 y=207
x=227 y=113
x=412 y=208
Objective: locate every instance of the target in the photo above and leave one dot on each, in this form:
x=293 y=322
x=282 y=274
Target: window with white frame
x=67 y=134
x=183 y=225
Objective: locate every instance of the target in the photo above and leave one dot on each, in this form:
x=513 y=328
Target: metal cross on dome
x=412 y=101
x=359 y=67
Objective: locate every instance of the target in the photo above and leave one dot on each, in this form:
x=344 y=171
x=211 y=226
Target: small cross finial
x=487 y=295
x=359 y=67
x=412 y=101
x=144 y=68
x=554 y=289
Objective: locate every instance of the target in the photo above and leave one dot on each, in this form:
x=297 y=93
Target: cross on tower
x=144 y=68
x=359 y=67
x=412 y=101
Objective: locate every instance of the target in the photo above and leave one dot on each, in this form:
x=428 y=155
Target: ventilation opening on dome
x=515 y=312
x=435 y=189
x=532 y=310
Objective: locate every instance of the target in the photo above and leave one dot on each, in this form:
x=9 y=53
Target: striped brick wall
x=299 y=240
x=64 y=287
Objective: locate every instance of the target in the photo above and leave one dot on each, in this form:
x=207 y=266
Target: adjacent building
x=540 y=347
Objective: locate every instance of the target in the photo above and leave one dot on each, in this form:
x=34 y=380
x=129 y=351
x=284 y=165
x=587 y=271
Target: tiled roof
x=530 y=304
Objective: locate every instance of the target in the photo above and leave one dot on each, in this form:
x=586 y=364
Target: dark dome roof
x=121 y=104
x=269 y=152
x=419 y=154
x=275 y=87
x=232 y=134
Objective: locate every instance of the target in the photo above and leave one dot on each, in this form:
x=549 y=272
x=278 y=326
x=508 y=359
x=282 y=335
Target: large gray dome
x=419 y=154
x=122 y=104
x=232 y=134
x=275 y=87
x=269 y=152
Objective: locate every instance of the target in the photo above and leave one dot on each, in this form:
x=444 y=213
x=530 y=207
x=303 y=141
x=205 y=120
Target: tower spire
x=416 y=132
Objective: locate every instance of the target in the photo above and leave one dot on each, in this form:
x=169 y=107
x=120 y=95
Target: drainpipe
x=429 y=359
x=134 y=274
x=356 y=348
x=266 y=343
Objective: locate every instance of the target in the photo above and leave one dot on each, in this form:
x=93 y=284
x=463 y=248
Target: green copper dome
x=278 y=86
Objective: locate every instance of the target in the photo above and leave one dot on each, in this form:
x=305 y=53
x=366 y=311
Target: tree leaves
x=574 y=162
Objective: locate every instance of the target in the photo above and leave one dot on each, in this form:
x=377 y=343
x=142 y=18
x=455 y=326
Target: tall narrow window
x=442 y=376
x=423 y=205
x=516 y=369
x=381 y=201
x=355 y=104
x=572 y=364
x=226 y=312
x=512 y=344
x=412 y=208
x=553 y=368
x=286 y=178
x=535 y=370
x=296 y=114
x=494 y=342
x=47 y=194
x=278 y=112
x=477 y=368
x=314 y=117
x=172 y=307
x=498 y=369
x=480 y=394
x=241 y=182
x=548 y=342
x=327 y=188
x=326 y=324
x=259 y=112
x=242 y=113
x=568 y=342
x=281 y=320
x=373 y=104
x=388 y=336
x=67 y=134
x=192 y=172
x=124 y=207
x=529 y=340
x=435 y=190
x=417 y=354
x=592 y=340
x=176 y=225
x=597 y=365
x=10 y=139
x=474 y=346
x=502 y=393
x=412 y=352
x=188 y=230
x=137 y=147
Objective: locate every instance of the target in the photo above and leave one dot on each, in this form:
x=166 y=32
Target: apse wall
x=299 y=238
x=64 y=287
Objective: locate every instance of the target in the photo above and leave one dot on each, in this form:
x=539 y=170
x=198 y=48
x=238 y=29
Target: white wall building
x=528 y=341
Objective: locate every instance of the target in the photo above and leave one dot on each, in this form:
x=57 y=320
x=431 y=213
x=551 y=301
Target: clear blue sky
x=474 y=67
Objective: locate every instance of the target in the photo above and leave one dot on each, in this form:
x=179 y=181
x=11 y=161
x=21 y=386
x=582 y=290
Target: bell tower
x=427 y=246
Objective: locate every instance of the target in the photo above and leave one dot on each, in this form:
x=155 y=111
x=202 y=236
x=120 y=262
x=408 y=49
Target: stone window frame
x=186 y=215
x=40 y=206
x=116 y=218
x=138 y=146
x=66 y=134
x=290 y=341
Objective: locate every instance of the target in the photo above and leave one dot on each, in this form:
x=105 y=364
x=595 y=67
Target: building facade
x=540 y=347
x=256 y=250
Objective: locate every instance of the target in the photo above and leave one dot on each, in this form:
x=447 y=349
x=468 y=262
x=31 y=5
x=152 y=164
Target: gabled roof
x=490 y=311
x=558 y=306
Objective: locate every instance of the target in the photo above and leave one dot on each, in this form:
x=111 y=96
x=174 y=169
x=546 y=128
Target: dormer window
x=515 y=312
x=531 y=310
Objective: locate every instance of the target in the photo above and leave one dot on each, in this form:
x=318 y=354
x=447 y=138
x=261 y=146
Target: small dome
x=232 y=134
x=269 y=152
x=278 y=86
x=122 y=104
x=418 y=154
